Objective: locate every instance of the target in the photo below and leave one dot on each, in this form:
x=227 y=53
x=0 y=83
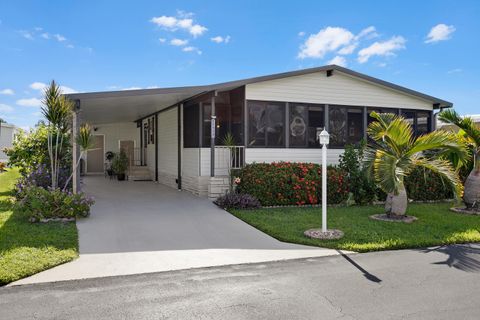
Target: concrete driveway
x=141 y=227
x=147 y=216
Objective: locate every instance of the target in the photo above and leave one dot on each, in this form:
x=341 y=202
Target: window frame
x=284 y=105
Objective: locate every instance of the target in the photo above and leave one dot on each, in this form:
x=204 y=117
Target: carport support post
x=213 y=127
x=75 y=148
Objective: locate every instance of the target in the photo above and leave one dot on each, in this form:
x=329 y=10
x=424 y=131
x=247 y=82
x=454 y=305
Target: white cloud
x=132 y=88
x=385 y=48
x=220 y=39
x=70 y=46
x=5 y=108
x=339 y=61
x=183 y=21
x=326 y=40
x=192 y=49
x=369 y=33
x=162 y=40
x=456 y=70
x=301 y=33
x=45 y=35
x=32 y=102
x=178 y=42
x=27 y=34
x=440 y=32
x=7 y=92
x=38 y=86
x=59 y=37
x=348 y=49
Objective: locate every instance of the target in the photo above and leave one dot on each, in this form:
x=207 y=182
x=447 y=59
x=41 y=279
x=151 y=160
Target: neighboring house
x=7 y=134
x=452 y=127
x=273 y=118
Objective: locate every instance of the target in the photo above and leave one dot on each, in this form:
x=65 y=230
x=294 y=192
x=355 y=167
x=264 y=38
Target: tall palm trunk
x=396 y=205
x=471 y=195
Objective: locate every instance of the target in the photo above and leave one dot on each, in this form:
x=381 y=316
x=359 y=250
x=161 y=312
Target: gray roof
x=190 y=91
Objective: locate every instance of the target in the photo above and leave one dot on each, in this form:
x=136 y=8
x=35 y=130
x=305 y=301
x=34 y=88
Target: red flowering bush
x=287 y=183
x=426 y=185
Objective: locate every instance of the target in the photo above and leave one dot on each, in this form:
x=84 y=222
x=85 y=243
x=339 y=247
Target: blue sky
x=429 y=46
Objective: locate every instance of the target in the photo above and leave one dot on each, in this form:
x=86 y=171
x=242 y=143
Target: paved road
x=441 y=283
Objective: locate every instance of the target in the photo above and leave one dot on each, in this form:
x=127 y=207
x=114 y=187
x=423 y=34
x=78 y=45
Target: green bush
x=363 y=190
x=425 y=185
x=286 y=183
x=29 y=151
x=39 y=203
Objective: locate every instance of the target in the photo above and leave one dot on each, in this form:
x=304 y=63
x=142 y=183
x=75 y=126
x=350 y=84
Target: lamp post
x=324 y=138
x=324 y=234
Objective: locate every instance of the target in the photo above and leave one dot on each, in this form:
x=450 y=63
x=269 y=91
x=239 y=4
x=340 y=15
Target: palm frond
x=442 y=140
x=386 y=172
x=465 y=123
x=391 y=131
x=444 y=169
x=84 y=137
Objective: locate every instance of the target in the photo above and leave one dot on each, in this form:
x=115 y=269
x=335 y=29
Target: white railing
x=228 y=158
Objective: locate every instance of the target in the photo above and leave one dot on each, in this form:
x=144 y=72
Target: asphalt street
x=435 y=283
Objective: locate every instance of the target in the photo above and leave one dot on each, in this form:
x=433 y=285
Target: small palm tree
x=395 y=151
x=57 y=111
x=84 y=140
x=471 y=132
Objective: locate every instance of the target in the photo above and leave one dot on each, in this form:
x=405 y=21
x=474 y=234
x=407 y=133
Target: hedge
x=425 y=185
x=287 y=183
x=296 y=183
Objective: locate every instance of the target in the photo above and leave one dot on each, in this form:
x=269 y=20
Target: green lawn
x=27 y=248
x=437 y=225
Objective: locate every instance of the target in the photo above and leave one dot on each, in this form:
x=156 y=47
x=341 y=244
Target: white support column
x=76 y=178
x=324 y=188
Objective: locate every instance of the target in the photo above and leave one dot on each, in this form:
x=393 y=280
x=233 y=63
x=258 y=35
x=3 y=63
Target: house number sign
x=213 y=126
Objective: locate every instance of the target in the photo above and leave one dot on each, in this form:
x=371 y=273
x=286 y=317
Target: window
x=305 y=121
x=355 y=125
x=191 y=114
x=266 y=124
x=345 y=125
x=337 y=125
x=423 y=122
x=410 y=117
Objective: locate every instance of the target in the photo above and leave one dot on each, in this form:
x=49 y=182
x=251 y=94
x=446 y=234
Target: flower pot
x=121 y=176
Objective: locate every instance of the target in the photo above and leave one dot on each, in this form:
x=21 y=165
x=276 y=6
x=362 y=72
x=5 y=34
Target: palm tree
x=57 y=111
x=395 y=151
x=471 y=132
x=84 y=140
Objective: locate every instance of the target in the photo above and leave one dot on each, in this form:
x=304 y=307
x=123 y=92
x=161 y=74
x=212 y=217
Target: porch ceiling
x=125 y=106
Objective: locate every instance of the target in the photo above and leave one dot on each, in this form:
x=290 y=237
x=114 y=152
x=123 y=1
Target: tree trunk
x=471 y=195
x=396 y=205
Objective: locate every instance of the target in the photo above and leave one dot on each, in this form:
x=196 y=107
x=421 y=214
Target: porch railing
x=228 y=158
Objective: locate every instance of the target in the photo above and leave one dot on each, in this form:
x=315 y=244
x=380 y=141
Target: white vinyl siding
x=114 y=132
x=191 y=162
x=269 y=155
x=338 y=89
x=168 y=147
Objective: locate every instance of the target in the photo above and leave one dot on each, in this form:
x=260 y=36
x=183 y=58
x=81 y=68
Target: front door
x=128 y=147
x=95 y=162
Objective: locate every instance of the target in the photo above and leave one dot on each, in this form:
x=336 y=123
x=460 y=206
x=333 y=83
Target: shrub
x=286 y=183
x=29 y=151
x=39 y=203
x=3 y=166
x=40 y=177
x=424 y=185
x=235 y=200
x=364 y=190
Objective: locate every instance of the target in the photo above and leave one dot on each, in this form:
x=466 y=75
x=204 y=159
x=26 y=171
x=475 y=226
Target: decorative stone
x=464 y=210
x=330 y=234
x=387 y=218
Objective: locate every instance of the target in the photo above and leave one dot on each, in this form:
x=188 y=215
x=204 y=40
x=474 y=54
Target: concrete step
x=139 y=173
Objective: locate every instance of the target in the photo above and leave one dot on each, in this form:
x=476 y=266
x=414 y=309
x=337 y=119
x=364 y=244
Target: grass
x=27 y=248
x=437 y=225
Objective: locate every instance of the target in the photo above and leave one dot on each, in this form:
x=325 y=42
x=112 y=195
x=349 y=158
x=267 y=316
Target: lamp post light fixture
x=324 y=139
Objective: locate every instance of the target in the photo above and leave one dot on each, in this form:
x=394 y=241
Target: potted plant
x=120 y=165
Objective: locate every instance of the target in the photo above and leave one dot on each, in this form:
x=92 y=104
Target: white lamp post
x=324 y=138
x=324 y=234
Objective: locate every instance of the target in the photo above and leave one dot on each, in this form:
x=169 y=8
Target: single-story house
x=175 y=135
x=7 y=135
